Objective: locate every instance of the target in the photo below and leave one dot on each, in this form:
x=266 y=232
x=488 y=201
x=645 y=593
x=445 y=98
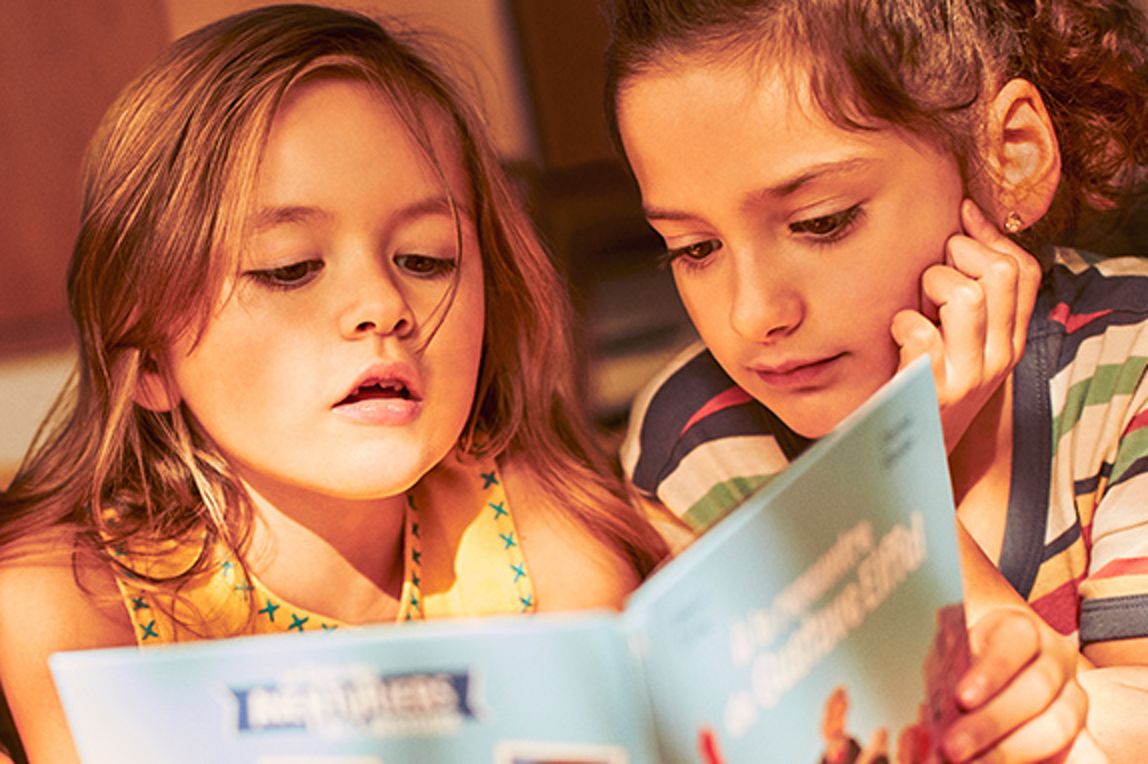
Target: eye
x=826 y=229
x=284 y=277
x=692 y=255
x=426 y=266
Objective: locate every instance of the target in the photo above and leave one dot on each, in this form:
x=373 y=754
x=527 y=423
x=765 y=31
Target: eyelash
x=840 y=224
x=821 y=231
x=287 y=277
x=440 y=267
x=689 y=255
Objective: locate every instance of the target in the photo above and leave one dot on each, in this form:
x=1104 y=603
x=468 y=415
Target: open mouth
x=378 y=390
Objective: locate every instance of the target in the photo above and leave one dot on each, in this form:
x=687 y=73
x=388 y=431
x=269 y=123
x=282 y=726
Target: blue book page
x=823 y=614
x=536 y=690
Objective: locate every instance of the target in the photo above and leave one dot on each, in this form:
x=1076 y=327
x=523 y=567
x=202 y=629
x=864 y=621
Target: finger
x=976 y=224
x=1035 y=697
x=960 y=304
x=1049 y=734
x=1002 y=644
x=916 y=336
x=1023 y=285
x=997 y=275
x=979 y=227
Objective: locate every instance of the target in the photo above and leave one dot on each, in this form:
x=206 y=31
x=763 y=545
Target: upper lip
x=396 y=374
x=786 y=367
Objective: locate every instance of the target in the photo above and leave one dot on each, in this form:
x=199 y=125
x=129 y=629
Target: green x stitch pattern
x=273 y=615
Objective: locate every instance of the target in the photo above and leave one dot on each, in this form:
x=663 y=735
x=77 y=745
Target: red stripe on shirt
x=1086 y=530
x=734 y=396
x=1060 y=608
x=1129 y=566
x=1138 y=421
x=1063 y=314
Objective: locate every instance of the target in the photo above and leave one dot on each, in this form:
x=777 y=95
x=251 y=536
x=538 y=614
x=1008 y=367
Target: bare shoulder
x=51 y=600
x=572 y=570
x=49 y=581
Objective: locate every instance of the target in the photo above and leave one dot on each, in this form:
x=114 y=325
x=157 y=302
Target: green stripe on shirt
x=721 y=499
x=1109 y=381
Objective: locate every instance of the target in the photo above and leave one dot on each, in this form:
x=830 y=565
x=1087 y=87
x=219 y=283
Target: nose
x=375 y=305
x=766 y=305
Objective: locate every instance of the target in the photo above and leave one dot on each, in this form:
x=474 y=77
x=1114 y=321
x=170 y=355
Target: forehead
x=740 y=71
x=691 y=93
x=715 y=135
x=702 y=116
x=337 y=120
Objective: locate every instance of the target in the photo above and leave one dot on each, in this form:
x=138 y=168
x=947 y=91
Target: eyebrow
x=785 y=188
x=270 y=217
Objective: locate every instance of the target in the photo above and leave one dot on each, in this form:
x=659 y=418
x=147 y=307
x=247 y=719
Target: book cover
x=820 y=621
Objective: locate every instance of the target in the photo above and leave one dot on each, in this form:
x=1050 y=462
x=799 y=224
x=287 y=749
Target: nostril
x=402 y=327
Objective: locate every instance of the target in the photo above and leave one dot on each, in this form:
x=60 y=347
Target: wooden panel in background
x=61 y=64
x=562 y=46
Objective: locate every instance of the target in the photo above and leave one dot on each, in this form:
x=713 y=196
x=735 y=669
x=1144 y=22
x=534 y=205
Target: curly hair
x=926 y=66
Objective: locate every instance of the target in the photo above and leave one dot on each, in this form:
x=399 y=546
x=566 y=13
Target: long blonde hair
x=168 y=178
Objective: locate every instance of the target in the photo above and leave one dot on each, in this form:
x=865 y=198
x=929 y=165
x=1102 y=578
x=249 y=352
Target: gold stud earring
x=1013 y=223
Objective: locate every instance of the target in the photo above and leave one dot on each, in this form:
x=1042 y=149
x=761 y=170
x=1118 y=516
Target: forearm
x=985 y=587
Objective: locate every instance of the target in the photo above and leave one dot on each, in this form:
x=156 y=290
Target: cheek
x=239 y=368
x=471 y=306
x=706 y=303
x=461 y=335
x=893 y=278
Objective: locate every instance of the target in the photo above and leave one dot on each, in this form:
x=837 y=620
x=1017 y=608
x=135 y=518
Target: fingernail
x=971 y=690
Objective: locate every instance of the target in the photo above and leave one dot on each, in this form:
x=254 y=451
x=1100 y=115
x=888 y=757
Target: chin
x=376 y=491
x=373 y=479
x=812 y=431
x=814 y=421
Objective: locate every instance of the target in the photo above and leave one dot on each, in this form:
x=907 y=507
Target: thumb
x=915 y=335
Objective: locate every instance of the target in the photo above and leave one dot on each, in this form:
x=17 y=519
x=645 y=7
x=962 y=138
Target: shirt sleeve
x=1114 y=593
x=700 y=444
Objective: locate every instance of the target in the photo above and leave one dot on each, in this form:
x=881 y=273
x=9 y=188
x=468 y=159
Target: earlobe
x=1022 y=153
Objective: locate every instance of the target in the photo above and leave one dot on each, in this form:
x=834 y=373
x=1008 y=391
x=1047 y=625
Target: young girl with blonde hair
x=831 y=179
x=325 y=371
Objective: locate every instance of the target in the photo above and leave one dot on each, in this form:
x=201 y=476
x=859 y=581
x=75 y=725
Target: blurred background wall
x=536 y=67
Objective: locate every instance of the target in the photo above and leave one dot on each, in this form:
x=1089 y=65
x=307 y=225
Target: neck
x=305 y=547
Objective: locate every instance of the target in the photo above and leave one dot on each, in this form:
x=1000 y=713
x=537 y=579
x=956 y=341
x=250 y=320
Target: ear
x=152 y=390
x=1022 y=154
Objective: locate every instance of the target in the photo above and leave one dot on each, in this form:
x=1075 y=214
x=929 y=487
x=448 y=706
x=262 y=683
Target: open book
x=820 y=619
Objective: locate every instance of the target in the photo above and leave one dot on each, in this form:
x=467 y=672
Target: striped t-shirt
x=1076 y=536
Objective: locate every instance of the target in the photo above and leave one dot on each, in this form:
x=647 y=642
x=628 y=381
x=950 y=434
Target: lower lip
x=801 y=377
x=380 y=411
